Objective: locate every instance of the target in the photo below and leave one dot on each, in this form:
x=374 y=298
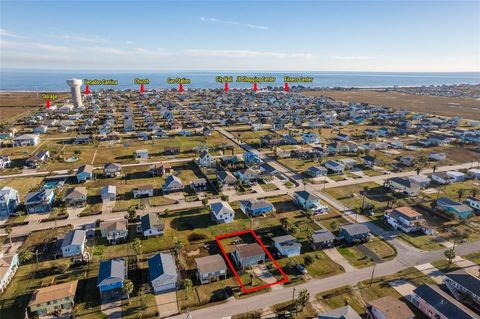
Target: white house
x=403 y=185
x=26 y=140
x=73 y=243
x=206 y=160
x=141 y=154
x=310 y=138
x=334 y=166
x=163 y=272
x=143 y=191
x=473 y=202
x=405 y=219
x=222 y=212
x=152 y=225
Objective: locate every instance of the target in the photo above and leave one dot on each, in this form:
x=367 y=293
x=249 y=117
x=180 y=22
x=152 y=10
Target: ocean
x=45 y=81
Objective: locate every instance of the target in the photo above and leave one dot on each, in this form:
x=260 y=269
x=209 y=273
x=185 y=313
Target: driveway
x=113 y=309
x=336 y=257
x=467 y=265
x=262 y=272
x=167 y=304
x=431 y=271
x=74 y=211
x=402 y=287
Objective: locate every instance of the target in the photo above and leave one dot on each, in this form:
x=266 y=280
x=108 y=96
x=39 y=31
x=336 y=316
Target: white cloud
x=6 y=33
x=108 y=50
x=245 y=54
x=129 y=42
x=226 y=22
x=82 y=38
x=353 y=57
x=33 y=46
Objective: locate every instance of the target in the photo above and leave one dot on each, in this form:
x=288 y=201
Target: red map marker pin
x=142 y=89
x=286 y=86
x=255 y=86
x=87 y=89
x=47 y=103
x=226 y=87
x=180 y=87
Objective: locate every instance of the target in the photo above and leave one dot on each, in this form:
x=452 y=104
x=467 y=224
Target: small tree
x=131 y=213
x=25 y=255
x=137 y=247
x=205 y=202
x=302 y=298
x=188 y=284
x=474 y=192
x=8 y=231
x=127 y=288
x=450 y=255
x=308 y=260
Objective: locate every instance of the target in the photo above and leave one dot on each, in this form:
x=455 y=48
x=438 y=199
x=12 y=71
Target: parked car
x=301 y=269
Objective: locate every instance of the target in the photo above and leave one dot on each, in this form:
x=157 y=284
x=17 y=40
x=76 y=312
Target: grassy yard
x=475 y=257
x=355 y=257
x=420 y=241
x=381 y=248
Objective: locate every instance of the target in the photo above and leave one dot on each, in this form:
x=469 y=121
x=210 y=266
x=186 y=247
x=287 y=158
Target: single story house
x=334 y=166
x=222 y=212
x=403 y=185
x=354 y=233
x=435 y=303
x=51 y=299
x=463 y=286
x=287 y=245
x=76 y=197
x=211 y=268
x=111 y=276
x=152 y=225
x=73 y=243
x=163 y=272
x=457 y=209
x=143 y=191
x=248 y=255
x=255 y=207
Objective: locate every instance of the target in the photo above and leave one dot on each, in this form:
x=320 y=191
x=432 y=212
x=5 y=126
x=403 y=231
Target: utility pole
x=373 y=271
x=293 y=298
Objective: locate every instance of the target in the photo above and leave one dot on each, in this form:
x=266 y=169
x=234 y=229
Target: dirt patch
x=444 y=106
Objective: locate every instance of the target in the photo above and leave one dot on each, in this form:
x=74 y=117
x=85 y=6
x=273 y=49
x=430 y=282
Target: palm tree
x=434 y=168
x=127 y=288
x=460 y=192
x=25 y=255
x=8 y=231
x=188 y=284
x=450 y=255
x=303 y=297
x=178 y=247
x=137 y=247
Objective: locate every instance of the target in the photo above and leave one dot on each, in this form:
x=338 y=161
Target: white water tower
x=76 y=93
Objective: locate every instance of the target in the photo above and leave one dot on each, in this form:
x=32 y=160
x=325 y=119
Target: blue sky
x=247 y=35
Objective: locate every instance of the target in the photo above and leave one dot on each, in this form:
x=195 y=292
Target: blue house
x=354 y=233
x=84 y=173
x=311 y=137
x=8 y=200
x=39 y=202
x=251 y=158
x=450 y=206
x=358 y=119
x=111 y=275
x=254 y=207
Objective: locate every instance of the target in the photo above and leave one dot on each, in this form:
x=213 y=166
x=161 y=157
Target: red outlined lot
x=230 y=264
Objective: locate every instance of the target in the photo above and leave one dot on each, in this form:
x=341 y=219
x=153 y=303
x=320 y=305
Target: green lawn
x=355 y=257
x=381 y=248
x=424 y=242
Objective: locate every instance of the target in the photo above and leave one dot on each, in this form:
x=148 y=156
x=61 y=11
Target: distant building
x=109 y=193
x=222 y=212
x=152 y=225
x=84 y=173
x=115 y=231
x=172 y=184
x=26 y=140
x=40 y=201
x=112 y=169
